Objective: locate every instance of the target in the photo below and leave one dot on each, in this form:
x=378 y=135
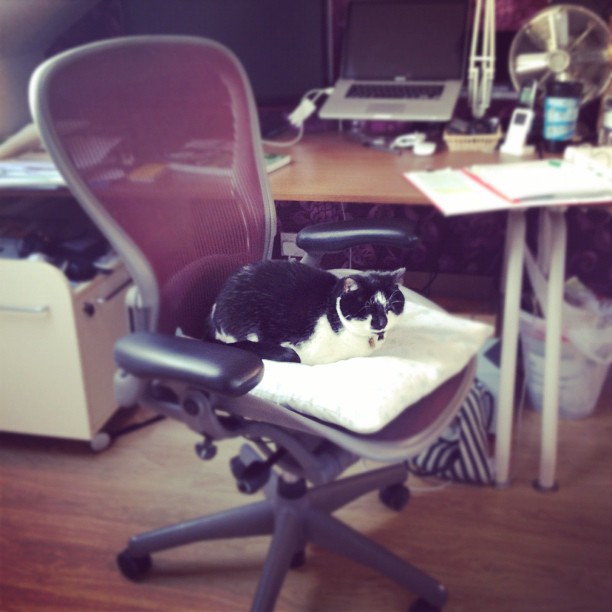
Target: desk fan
x=564 y=43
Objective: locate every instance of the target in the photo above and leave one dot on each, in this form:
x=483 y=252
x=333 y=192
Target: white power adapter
x=297 y=118
x=305 y=108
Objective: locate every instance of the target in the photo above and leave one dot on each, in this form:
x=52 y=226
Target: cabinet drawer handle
x=114 y=292
x=25 y=309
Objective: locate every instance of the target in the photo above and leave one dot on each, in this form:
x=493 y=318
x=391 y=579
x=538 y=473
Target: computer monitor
x=284 y=45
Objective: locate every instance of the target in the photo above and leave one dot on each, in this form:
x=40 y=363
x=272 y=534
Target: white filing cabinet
x=56 y=341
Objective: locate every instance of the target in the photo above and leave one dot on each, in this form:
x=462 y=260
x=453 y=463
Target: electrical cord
x=300 y=114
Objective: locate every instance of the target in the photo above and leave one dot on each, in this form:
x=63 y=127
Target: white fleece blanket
x=425 y=348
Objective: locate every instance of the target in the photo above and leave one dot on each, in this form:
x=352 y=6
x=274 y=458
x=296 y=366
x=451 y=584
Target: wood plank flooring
x=65 y=512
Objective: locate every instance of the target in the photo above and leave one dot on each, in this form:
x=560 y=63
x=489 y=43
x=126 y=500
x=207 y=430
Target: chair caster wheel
x=395 y=496
x=422 y=605
x=100 y=442
x=205 y=450
x=298 y=560
x=133 y=568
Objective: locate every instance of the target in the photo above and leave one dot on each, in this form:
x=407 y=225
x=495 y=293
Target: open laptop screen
x=412 y=40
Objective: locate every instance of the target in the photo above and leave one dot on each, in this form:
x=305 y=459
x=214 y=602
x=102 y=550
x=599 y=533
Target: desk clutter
x=522 y=184
x=558 y=67
x=30 y=170
x=57 y=233
x=479 y=135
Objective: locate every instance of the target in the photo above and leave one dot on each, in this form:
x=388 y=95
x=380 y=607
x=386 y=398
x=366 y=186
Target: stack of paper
x=490 y=187
x=31 y=171
x=598 y=159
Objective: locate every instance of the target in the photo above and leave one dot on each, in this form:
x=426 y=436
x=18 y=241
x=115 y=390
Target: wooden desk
x=331 y=167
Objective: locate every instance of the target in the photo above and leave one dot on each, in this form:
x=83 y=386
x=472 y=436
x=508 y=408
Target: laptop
x=401 y=61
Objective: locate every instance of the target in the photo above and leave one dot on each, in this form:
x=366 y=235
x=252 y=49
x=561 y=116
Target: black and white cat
x=292 y=312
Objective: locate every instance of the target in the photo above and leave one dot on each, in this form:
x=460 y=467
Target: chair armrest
x=339 y=235
x=218 y=367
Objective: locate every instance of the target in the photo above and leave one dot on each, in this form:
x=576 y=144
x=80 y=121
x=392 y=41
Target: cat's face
x=371 y=302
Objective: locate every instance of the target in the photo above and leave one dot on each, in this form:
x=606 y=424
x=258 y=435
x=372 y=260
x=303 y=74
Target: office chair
x=157 y=138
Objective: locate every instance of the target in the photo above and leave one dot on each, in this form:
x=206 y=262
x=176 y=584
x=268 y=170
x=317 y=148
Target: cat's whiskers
x=352 y=326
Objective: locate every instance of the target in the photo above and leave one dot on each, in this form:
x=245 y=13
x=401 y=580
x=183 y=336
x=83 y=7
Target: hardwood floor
x=65 y=513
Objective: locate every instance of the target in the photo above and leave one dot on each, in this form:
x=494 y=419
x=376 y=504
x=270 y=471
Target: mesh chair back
x=158 y=139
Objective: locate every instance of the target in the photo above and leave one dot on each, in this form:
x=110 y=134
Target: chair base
x=293 y=515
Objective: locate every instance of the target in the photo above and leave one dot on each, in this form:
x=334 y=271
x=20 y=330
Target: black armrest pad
x=339 y=235
x=218 y=367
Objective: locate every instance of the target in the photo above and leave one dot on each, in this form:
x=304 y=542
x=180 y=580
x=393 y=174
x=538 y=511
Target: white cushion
x=425 y=348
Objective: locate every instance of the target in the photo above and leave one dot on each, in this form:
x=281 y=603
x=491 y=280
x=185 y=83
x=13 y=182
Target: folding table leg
x=512 y=281
x=552 y=349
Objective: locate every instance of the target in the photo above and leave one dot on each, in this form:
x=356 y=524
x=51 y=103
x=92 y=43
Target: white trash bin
x=581 y=378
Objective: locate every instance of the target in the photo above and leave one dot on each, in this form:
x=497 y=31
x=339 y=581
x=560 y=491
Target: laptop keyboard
x=400 y=91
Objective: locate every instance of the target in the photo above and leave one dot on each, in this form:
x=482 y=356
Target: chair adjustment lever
x=252 y=477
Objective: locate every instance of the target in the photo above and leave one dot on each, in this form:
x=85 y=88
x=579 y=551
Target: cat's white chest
x=327 y=346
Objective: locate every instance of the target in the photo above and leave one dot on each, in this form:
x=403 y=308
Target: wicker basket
x=472 y=142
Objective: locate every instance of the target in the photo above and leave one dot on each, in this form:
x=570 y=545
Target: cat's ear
x=398 y=276
x=349 y=284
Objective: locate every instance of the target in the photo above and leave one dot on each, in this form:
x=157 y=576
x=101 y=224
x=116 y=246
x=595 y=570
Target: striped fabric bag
x=463 y=452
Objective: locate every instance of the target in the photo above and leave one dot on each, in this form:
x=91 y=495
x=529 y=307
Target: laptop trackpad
x=385 y=108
